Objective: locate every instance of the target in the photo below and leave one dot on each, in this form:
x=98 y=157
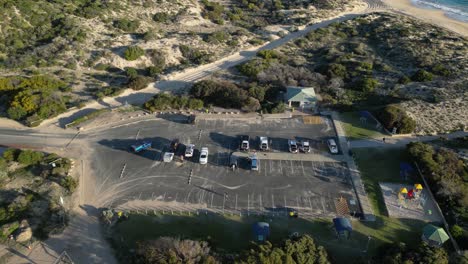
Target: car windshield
x=203 y=156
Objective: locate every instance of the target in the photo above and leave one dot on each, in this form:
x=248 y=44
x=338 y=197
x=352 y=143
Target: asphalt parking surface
x=308 y=186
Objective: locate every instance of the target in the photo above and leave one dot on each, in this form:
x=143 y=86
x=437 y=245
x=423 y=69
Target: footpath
x=366 y=207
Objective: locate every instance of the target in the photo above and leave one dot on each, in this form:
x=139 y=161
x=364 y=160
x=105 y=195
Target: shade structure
x=434 y=235
x=261 y=231
x=403 y=190
x=342 y=226
x=418 y=186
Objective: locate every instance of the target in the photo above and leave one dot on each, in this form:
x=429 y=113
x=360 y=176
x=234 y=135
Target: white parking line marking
x=212 y=196
x=272 y=201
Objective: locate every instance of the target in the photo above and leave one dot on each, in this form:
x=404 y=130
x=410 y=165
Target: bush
x=456 y=231
x=404 y=80
x=394 y=117
x=441 y=70
x=219 y=93
x=422 y=76
x=126 y=25
x=131 y=72
x=161 y=17
x=268 y=54
x=29 y=157
x=164 y=101
x=194 y=56
x=367 y=85
x=133 y=52
x=217 y=37
x=69 y=183
x=139 y=82
x=253 y=68
x=336 y=70
x=213 y=11
x=10 y=154
x=154 y=71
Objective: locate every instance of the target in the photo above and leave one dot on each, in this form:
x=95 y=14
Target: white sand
x=436 y=17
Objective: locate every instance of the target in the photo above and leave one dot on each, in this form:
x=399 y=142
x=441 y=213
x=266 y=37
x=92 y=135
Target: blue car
x=142 y=146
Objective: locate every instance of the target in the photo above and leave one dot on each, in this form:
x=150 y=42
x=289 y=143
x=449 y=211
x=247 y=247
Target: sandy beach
x=436 y=17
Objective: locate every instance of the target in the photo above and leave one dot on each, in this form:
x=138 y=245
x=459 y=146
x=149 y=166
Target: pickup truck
x=305 y=146
x=141 y=146
x=264 y=144
x=244 y=143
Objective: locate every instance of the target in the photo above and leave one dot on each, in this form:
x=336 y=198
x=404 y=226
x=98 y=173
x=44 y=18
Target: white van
x=332 y=146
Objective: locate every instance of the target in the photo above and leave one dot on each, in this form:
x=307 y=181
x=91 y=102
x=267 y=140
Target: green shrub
x=194 y=56
x=392 y=116
x=127 y=25
x=366 y=85
x=222 y=94
x=253 y=67
x=456 y=231
x=10 y=154
x=268 y=54
x=404 y=80
x=195 y=104
x=422 y=76
x=69 y=183
x=30 y=157
x=336 y=70
x=217 y=37
x=139 y=82
x=133 y=52
x=161 y=17
x=213 y=11
x=154 y=71
x=441 y=70
x=131 y=72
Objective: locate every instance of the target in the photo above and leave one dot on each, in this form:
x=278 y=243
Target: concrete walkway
x=402 y=141
x=366 y=207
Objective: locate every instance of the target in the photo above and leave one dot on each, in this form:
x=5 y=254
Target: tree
x=139 y=82
x=133 y=52
x=173 y=250
x=422 y=76
x=10 y=154
x=131 y=72
x=394 y=117
x=126 y=25
x=298 y=250
x=336 y=70
x=195 y=104
x=456 y=231
x=30 y=157
x=367 y=85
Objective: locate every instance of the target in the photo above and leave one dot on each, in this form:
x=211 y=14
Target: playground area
x=409 y=201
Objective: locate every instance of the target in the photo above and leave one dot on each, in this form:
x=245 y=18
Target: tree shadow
x=159 y=146
x=80 y=113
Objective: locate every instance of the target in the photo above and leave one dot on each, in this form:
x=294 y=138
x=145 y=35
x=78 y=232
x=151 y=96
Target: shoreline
x=433 y=16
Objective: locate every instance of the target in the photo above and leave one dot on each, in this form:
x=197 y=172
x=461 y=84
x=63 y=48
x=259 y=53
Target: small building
x=434 y=235
x=303 y=97
x=342 y=226
x=261 y=231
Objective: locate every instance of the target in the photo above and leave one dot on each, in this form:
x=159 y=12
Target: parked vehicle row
x=294 y=146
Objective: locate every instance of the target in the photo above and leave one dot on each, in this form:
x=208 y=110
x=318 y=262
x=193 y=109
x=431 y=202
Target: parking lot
x=312 y=184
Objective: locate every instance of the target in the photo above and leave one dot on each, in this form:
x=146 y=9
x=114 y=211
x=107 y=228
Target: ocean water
x=456 y=9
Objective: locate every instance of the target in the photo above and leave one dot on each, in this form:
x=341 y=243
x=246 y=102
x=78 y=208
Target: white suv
x=332 y=146
x=204 y=155
x=292 y=146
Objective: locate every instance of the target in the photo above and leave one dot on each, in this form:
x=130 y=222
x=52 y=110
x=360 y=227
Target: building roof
x=300 y=94
x=435 y=233
x=342 y=224
x=261 y=231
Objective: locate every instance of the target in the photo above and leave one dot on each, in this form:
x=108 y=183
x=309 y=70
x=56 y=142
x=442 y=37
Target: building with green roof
x=434 y=235
x=303 y=97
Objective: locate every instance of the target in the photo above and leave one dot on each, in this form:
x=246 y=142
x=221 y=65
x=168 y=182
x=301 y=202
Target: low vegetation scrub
x=139 y=82
x=194 y=56
x=394 y=117
x=133 y=53
x=43 y=179
x=164 y=101
x=127 y=25
x=33 y=99
x=447 y=175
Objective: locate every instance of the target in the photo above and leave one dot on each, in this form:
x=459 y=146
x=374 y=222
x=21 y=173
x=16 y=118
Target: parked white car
x=204 y=155
x=332 y=146
x=189 y=151
x=168 y=156
x=292 y=146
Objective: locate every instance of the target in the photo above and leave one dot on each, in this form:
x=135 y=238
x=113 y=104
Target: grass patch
x=233 y=234
x=87 y=117
x=355 y=129
x=383 y=165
